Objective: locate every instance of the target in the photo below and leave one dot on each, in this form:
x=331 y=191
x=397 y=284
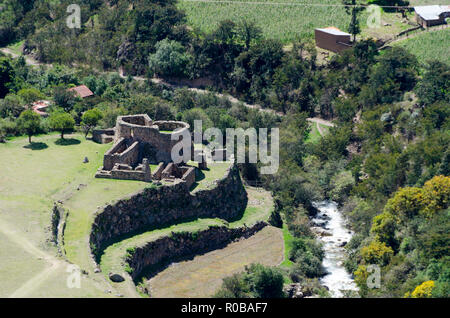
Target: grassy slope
x=259 y=208
x=31 y=180
x=429 y=45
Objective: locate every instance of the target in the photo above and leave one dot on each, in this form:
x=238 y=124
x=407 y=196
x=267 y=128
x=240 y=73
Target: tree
x=423 y=290
x=64 y=98
x=29 y=123
x=6 y=76
x=377 y=253
x=61 y=122
x=11 y=106
x=170 y=59
x=30 y=95
x=435 y=84
x=354 y=9
x=249 y=32
x=90 y=119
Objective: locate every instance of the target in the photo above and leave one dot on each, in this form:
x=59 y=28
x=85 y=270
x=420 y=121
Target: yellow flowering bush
x=423 y=290
x=436 y=194
x=377 y=253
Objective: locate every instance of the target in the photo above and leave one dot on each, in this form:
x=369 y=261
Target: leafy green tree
x=64 y=98
x=29 y=123
x=11 y=106
x=30 y=95
x=7 y=76
x=248 y=32
x=62 y=122
x=170 y=59
x=90 y=119
x=435 y=84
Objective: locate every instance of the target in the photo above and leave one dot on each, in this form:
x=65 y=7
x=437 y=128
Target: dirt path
x=34 y=282
x=29 y=60
x=232 y=99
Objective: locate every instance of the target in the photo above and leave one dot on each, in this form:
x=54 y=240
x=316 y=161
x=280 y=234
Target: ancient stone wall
x=159 y=206
x=189 y=177
x=103 y=136
x=120 y=153
x=157 y=253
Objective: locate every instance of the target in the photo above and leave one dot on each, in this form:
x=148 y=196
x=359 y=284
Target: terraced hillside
x=50 y=171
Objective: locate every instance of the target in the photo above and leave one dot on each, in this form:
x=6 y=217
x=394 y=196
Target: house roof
x=40 y=106
x=431 y=12
x=334 y=30
x=82 y=91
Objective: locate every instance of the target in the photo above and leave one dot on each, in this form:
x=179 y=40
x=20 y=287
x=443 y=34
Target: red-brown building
x=333 y=39
x=82 y=91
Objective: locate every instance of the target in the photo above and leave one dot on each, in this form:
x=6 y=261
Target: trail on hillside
x=232 y=99
x=34 y=282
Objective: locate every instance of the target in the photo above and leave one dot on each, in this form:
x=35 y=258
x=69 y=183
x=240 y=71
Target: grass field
x=202 y=276
x=32 y=178
x=429 y=45
x=259 y=208
x=290 y=19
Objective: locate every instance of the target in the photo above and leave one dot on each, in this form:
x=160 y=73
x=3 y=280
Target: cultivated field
x=429 y=45
x=276 y=18
x=287 y=20
x=202 y=276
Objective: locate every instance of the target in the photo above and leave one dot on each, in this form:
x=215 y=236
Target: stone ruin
x=140 y=141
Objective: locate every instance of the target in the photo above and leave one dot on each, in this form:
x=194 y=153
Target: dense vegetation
x=386 y=161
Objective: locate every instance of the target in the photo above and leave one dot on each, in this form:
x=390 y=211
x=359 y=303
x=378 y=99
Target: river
x=330 y=226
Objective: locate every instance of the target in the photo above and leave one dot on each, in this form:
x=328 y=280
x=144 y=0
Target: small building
x=428 y=16
x=40 y=106
x=82 y=91
x=333 y=39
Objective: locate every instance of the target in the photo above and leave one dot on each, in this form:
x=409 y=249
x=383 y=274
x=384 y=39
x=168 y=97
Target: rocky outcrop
x=153 y=256
x=160 y=206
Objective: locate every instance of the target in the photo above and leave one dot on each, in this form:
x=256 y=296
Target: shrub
x=170 y=59
x=384 y=226
x=424 y=290
x=437 y=195
x=377 y=253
